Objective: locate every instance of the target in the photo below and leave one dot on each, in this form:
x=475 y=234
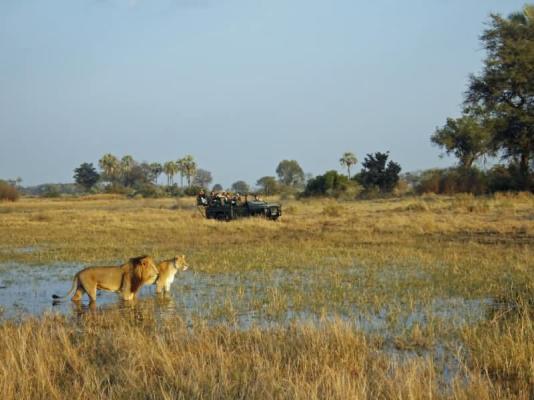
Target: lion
x=167 y=270
x=126 y=279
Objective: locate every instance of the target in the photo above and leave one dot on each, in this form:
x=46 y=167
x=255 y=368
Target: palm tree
x=181 y=169
x=156 y=169
x=127 y=162
x=190 y=167
x=110 y=165
x=126 y=165
x=348 y=159
x=170 y=168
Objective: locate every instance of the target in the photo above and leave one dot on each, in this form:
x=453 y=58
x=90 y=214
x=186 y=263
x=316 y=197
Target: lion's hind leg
x=79 y=293
x=81 y=289
x=91 y=292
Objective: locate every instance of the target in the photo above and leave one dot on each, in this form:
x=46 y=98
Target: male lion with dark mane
x=126 y=279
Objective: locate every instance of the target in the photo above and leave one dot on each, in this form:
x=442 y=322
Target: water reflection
x=157 y=307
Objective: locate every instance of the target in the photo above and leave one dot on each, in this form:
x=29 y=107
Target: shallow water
x=242 y=299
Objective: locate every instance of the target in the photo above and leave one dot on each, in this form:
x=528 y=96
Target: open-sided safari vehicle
x=226 y=209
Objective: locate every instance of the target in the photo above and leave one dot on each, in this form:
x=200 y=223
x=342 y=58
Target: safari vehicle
x=217 y=208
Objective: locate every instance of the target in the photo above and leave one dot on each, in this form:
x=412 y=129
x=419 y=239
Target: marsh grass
x=130 y=355
x=406 y=269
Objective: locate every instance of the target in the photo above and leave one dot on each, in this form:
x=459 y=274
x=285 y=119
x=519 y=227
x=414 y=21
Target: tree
x=139 y=175
x=181 y=170
x=268 y=185
x=202 y=178
x=348 y=160
x=170 y=168
x=156 y=169
x=126 y=164
x=86 y=175
x=290 y=173
x=240 y=187
x=109 y=164
x=464 y=137
x=503 y=93
x=217 y=187
x=8 y=191
x=375 y=173
x=331 y=183
x=189 y=167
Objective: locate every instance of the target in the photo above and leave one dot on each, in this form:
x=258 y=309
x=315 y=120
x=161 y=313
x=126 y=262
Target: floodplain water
x=243 y=299
x=259 y=298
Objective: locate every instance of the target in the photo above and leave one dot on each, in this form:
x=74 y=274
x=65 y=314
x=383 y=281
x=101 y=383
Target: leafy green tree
x=503 y=93
x=268 y=185
x=139 y=175
x=377 y=172
x=217 y=187
x=290 y=173
x=331 y=184
x=464 y=137
x=109 y=164
x=202 y=178
x=86 y=175
x=240 y=187
x=348 y=160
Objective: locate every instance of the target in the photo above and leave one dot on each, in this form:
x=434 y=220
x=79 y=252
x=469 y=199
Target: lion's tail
x=74 y=285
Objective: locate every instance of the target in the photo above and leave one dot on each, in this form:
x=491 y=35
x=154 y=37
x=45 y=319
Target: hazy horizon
x=239 y=85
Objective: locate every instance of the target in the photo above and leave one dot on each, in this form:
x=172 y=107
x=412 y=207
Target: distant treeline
x=497 y=122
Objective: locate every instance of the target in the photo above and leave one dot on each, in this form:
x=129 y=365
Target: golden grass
x=131 y=356
x=397 y=258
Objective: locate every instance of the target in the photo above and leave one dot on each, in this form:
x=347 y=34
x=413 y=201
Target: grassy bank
x=441 y=289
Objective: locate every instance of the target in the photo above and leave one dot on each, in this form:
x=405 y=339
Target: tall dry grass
x=132 y=356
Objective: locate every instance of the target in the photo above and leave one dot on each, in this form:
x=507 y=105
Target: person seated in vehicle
x=233 y=200
x=222 y=198
x=211 y=198
x=257 y=198
x=201 y=199
x=237 y=199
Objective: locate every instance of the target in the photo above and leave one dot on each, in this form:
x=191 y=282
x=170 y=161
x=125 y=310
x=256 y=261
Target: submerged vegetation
x=401 y=298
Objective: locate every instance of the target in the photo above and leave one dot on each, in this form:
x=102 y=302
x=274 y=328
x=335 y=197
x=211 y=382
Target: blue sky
x=238 y=84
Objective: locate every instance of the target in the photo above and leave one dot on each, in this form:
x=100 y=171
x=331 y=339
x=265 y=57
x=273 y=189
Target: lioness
x=167 y=269
x=126 y=279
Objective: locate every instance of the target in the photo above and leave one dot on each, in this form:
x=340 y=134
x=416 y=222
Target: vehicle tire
x=222 y=217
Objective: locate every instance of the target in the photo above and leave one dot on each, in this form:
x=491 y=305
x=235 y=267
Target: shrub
x=116 y=188
x=402 y=188
x=50 y=191
x=453 y=180
x=331 y=184
x=429 y=181
x=192 y=190
x=174 y=191
x=506 y=179
x=149 y=190
x=8 y=192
